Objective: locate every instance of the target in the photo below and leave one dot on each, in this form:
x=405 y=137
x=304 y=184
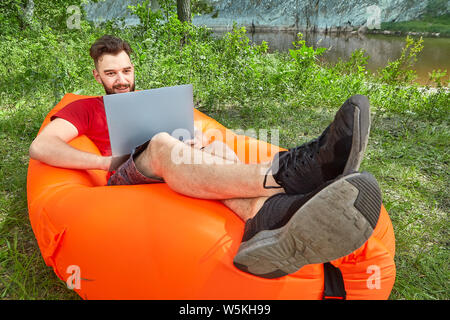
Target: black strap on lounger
x=334 y=288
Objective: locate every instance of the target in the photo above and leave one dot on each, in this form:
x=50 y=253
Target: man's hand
x=199 y=141
x=220 y=149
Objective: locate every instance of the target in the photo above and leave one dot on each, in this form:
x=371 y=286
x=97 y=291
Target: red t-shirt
x=89 y=117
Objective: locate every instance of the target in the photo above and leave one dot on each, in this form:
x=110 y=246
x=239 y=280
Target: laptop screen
x=135 y=117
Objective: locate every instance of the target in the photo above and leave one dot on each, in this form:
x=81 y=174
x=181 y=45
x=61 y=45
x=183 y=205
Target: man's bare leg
x=211 y=178
x=245 y=208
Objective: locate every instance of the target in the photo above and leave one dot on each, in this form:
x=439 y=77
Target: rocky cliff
x=102 y=11
x=318 y=15
x=310 y=14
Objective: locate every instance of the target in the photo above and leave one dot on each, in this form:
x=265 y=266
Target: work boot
x=291 y=231
x=337 y=151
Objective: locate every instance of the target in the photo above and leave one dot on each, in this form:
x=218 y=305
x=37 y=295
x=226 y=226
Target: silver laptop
x=135 y=117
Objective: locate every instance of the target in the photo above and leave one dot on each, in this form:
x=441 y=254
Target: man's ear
x=97 y=76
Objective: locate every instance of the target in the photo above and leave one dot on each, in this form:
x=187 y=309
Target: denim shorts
x=128 y=174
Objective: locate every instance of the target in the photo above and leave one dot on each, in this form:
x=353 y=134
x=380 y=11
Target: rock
x=347 y=29
x=334 y=29
x=363 y=29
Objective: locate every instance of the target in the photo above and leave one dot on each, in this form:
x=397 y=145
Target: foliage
x=12 y=16
x=303 y=55
x=17 y=16
x=355 y=65
x=149 y=19
x=436 y=77
x=201 y=6
x=399 y=71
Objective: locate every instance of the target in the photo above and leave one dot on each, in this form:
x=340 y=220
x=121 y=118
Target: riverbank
x=397 y=29
x=427 y=26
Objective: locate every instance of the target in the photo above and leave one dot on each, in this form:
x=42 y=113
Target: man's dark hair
x=108 y=44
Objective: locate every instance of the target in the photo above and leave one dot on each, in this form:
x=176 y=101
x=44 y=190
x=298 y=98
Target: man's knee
x=158 y=149
x=158 y=143
x=160 y=139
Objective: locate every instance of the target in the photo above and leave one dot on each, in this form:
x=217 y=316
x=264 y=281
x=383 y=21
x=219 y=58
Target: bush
x=399 y=71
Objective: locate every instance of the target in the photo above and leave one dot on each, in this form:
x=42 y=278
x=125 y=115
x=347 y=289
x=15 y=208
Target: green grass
x=412 y=167
x=242 y=87
x=23 y=274
x=439 y=24
x=410 y=160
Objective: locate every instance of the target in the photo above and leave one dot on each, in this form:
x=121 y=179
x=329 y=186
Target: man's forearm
x=56 y=152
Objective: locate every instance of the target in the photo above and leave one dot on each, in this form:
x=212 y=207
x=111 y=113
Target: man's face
x=115 y=73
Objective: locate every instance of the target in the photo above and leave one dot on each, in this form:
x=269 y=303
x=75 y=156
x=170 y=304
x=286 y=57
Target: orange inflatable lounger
x=148 y=242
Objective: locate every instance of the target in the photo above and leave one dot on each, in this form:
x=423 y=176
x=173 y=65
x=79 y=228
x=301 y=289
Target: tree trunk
x=184 y=10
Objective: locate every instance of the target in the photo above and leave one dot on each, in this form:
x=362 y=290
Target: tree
x=184 y=10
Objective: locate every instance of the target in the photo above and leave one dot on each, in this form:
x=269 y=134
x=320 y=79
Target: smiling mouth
x=122 y=88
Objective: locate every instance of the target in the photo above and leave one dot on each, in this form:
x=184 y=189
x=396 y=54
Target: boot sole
x=361 y=130
x=335 y=222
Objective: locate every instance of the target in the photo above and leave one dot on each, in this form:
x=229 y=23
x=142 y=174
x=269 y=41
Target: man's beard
x=111 y=90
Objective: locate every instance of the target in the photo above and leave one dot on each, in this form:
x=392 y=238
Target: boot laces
x=299 y=157
x=295 y=159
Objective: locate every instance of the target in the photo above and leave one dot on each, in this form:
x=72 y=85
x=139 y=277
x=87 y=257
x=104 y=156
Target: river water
x=380 y=48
